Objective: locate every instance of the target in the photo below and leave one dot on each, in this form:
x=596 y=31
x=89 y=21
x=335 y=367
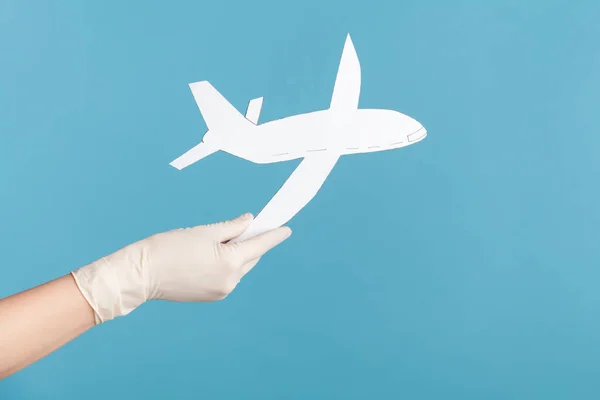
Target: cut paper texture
x=319 y=138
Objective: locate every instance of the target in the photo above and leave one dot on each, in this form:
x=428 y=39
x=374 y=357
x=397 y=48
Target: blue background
x=463 y=267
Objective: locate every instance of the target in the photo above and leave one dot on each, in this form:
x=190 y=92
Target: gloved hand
x=191 y=264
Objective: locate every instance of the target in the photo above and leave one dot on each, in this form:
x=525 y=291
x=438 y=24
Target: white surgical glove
x=191 y=264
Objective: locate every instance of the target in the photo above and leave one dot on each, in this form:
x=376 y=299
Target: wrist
x=113 y=285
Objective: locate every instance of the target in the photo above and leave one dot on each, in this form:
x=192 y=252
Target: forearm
x=38 y=321
x=192 y=264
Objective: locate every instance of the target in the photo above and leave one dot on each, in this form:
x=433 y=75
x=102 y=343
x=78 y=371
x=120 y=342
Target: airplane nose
x=418 y=134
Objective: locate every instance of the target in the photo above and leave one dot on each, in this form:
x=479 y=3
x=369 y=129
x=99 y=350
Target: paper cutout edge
x=227 y=128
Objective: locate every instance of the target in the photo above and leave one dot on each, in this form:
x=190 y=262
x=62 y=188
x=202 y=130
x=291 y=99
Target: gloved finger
x=231 y=229
x=248 y=266
x=256 y=246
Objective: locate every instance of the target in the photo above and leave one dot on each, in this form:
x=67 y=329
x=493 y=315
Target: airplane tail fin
x=220 y=116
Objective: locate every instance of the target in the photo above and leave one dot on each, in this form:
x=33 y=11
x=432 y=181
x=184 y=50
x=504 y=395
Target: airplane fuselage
x=298 y=136
x=319 y=138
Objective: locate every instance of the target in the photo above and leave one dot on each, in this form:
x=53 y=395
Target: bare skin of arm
x=38 y=321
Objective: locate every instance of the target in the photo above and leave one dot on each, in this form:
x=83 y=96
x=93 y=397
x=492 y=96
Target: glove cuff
x=112 y=286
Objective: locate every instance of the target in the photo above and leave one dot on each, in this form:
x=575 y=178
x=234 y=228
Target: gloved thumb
x=231 y=229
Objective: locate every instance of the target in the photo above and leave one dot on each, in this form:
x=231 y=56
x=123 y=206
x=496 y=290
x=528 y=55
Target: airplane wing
x=346 y=90
x=296 y=192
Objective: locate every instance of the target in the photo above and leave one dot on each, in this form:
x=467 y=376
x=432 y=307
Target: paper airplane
x=319 y=138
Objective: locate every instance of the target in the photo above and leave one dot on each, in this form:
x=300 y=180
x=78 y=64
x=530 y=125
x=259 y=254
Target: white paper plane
x=319 y=138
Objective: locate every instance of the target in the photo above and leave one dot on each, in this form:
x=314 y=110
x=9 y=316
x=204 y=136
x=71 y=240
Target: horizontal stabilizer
x=194 y=154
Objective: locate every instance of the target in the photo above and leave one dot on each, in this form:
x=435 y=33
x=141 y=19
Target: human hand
x=191 y=264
